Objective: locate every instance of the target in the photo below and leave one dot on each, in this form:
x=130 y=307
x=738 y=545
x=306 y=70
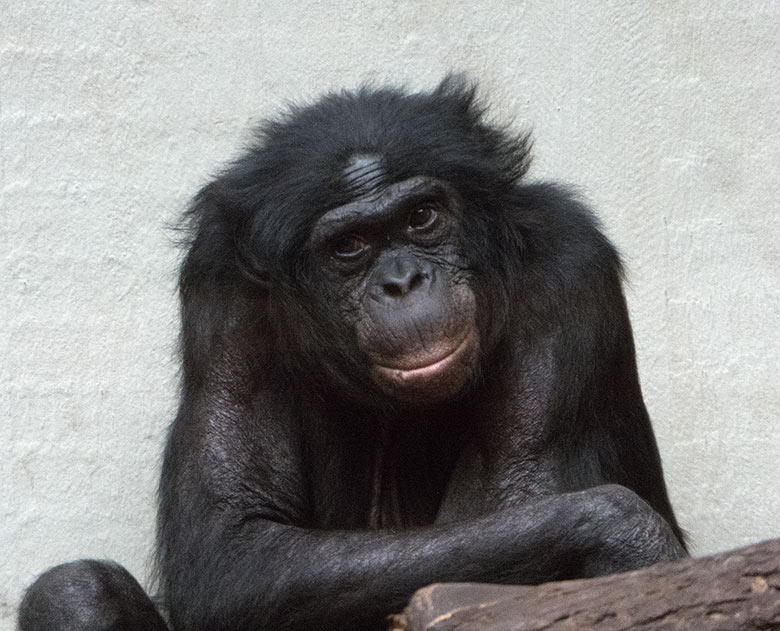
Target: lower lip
x=426 y=373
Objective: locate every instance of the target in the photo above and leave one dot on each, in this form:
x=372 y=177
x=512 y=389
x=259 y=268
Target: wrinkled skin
x=402 y=364
x=409 y=299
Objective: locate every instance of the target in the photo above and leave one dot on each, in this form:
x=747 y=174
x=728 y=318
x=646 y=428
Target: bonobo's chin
x=422 y=379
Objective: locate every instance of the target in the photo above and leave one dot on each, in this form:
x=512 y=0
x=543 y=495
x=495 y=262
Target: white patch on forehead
x=364 y=173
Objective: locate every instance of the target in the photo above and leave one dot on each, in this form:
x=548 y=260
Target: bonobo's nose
x=401 y=276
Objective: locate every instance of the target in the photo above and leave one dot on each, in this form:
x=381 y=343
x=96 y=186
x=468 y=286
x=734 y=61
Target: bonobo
x=402 y=364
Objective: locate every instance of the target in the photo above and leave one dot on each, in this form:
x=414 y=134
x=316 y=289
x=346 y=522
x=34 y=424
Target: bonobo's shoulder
x=554 y=217
x=553 y=202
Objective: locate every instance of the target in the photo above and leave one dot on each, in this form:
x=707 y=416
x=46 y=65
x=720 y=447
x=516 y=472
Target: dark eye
x=349 y=246
x=422 y=218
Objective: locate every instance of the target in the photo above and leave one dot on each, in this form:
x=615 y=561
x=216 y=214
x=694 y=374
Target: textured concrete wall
x=666 y=114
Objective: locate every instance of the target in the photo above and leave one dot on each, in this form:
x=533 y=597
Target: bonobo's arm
x=268 y=575
x=236 y=554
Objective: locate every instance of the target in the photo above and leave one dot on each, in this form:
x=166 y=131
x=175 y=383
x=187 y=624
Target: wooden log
x=737 y=590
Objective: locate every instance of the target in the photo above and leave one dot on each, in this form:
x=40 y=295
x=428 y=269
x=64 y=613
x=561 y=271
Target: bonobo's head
x=393 y=269
x=382 y=225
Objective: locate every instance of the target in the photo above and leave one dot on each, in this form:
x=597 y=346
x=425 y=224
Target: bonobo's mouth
x=430 y=378
x=408 y=368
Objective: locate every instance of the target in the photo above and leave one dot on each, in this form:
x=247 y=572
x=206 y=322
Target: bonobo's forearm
x=285 y=577
x=307 y=579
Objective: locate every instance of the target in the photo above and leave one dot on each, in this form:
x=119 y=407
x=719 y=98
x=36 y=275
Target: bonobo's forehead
x=364 y=173
x=379 y=204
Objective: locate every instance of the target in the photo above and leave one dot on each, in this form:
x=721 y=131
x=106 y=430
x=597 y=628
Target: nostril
x=416 y=281
x=401 y=286
x=393 y=290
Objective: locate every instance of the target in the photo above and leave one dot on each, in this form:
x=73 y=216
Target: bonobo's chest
x=392 y=479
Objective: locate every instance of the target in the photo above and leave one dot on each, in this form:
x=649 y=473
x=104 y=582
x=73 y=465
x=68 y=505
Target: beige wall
x=666 y=114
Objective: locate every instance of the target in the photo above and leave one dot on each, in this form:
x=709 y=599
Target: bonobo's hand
x=624 y=532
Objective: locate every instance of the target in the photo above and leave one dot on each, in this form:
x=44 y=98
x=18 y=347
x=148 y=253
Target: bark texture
x=731 y=591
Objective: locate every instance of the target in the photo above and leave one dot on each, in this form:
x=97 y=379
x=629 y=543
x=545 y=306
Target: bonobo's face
x=394 y=273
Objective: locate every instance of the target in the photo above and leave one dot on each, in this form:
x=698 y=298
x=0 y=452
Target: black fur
x=295 y=492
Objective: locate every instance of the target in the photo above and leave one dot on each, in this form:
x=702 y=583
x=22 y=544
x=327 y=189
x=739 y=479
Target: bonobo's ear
x=215 y=276
x=219 y=251
x=250 y=267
